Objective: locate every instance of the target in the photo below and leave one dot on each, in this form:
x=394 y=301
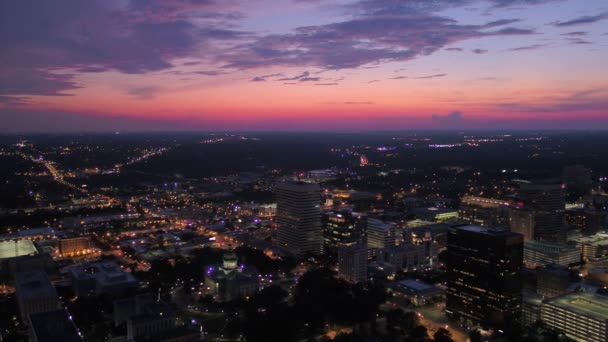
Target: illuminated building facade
x=485 y=212
x=521 y=222
x=343 y=227
x=229 y=281
x=75 y=246
x=380 y=235
x=484 y=282
x=352 y=262
x=582 y=316
x=541 y=253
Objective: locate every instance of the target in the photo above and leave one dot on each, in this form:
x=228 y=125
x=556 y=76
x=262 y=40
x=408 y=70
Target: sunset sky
x=158 y=65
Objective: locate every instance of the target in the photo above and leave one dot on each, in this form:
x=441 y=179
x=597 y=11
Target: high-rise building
x=577 y=179
x=299 y=217
x=484 y=282
x=35 y=293
x=380 y=235
x=587 y=221
x=547 y=199
x=522 y=222
x=553 y=280
x=352 y=262
x=343 y=227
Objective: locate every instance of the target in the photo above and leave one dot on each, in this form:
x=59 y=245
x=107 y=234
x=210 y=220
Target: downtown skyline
x=302 y=65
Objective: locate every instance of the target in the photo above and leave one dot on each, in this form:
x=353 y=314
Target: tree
x=475 y=336
x=442 y=335
x=419 y=334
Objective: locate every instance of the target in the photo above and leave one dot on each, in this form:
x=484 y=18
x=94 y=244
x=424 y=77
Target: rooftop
x=34 y=284
x=28 y=233
x=418 y=287
x=585 y=304
x=56 y=325
x=482 y=230
x=13 y=249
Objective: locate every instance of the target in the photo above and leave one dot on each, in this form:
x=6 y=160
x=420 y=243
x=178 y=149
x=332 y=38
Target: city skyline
x=194 y=65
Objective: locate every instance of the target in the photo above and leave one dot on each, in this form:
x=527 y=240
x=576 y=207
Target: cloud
x=577 y=34
x=52 y=41
x=392 y=7
x=452 y=119
x=429 y=76
x=454 y=49
x=326 y=84
x=25 y=81
x=588 y=19
x=305 y=74
x=528 y=47
x=588 y=100
x=12 y=101
x=258 y=79
x=359 y=103
x=144 y=93
x=479 y=51
x=339 y=45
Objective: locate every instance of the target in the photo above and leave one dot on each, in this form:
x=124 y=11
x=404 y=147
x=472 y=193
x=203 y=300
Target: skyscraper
x=380 y=235
x=547 y=199
x=484 y=283
x=352 y=262
x=299 y=217
x=343 y=227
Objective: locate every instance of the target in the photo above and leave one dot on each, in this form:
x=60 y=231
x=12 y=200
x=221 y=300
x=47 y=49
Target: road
x=433 y=318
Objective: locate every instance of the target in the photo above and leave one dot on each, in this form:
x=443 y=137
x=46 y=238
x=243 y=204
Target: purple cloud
x=144 y=93
x=452 y=119
x=479 y=51
x=588 y=19
x=339 y=45
x=49 y=40
x=528 y=47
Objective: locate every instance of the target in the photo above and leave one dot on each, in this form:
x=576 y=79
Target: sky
x=309 y=65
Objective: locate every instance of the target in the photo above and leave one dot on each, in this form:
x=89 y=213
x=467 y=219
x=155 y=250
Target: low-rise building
x=582 y=316
x=53 y=326
x=417 y=292
x=35 y=293
x=229 y=281
x=540 y=253
x=97 y=278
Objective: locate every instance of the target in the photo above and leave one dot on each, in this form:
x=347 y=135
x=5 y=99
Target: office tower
x=420 y=250
x=486 y=212
x=553 y=280
x=577 y=179
x=343 y=227
x=380 y=235
x=352 y=262
x=484 y=282
x=522 y=222
x=582 y=316
x=547 y=199
x=299 y=217
x=586 y=221
x=35 y=293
